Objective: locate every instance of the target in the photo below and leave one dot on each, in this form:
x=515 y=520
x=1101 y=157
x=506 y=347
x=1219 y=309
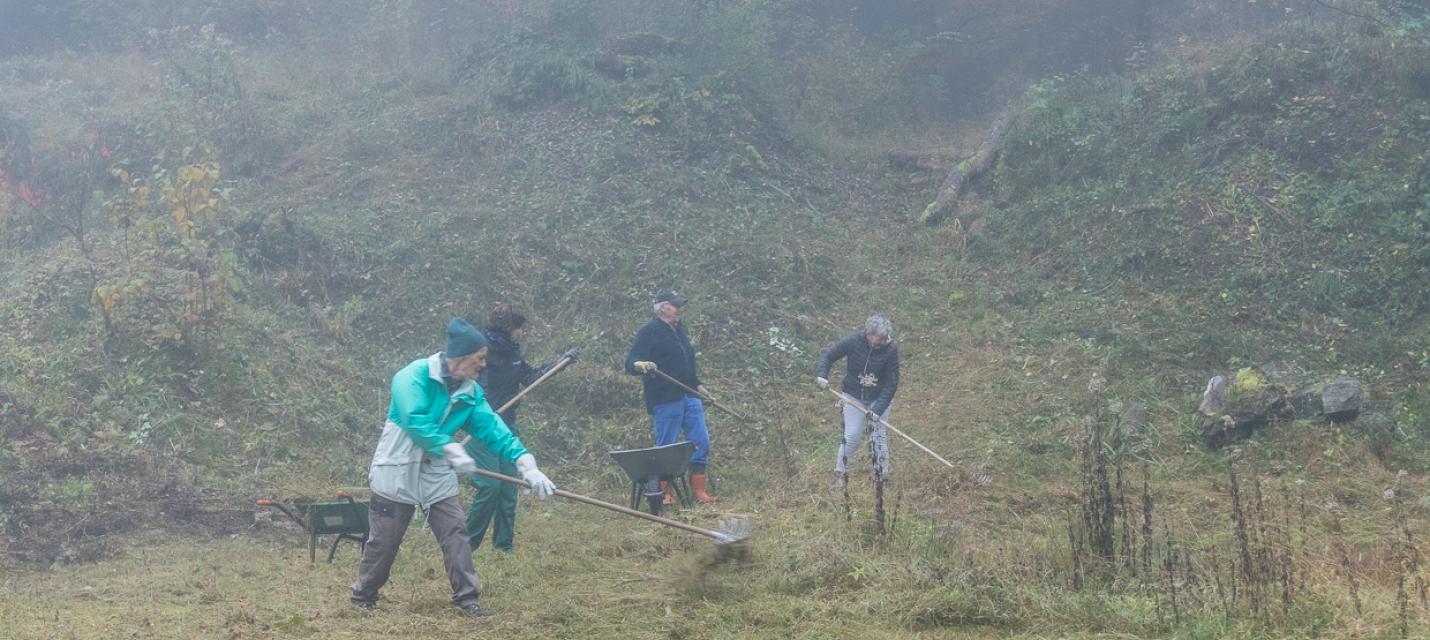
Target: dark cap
x=670 y=295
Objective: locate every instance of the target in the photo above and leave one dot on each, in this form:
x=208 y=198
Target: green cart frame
x=344 y=520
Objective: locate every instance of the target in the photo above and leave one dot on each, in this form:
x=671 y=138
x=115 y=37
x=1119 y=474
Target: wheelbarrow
x=666 y=463
x=345 y=520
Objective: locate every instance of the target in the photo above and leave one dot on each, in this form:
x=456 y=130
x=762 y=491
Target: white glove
x=542 y=485
x=458 y=459
x=822 y=383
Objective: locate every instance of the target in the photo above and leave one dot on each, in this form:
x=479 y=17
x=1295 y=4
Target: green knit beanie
x=463 y=339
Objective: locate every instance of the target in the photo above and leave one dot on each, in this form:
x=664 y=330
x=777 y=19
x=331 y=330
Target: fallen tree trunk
x=933 y=160
x=967 y=170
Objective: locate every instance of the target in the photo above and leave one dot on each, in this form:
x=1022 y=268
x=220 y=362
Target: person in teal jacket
x=417 y=462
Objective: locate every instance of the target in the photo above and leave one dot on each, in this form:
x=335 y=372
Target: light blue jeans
x=685 y=415
x=854 y=420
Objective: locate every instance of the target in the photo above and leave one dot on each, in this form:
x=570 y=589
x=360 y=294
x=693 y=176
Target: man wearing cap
x=662 y=344
x=417 y=462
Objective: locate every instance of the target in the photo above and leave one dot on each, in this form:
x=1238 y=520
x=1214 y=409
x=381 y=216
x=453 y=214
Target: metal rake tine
x=735 y=529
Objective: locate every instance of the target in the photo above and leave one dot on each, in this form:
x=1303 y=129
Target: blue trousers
x=685 y=415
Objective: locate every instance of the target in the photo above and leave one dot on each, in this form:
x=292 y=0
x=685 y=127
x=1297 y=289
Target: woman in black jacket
x=871 y=377
x=506 y=373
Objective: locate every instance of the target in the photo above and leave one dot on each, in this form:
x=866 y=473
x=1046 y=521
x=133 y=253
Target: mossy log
x=620 y=67
x=967 y=170
x=641 y=44
x=930 y=160
x=628 y=55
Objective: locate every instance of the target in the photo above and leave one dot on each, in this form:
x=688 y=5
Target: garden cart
x=345 y=520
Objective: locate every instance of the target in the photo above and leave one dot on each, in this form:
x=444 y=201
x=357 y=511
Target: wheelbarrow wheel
x=657 y=503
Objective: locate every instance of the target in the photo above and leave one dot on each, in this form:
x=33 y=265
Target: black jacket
x=506 y=373
x=872 y=375
x=669 y=348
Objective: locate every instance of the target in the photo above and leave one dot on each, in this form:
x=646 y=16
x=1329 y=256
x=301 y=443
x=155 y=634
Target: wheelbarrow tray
x=324 y=518
x=667 y=463
x=345 y=520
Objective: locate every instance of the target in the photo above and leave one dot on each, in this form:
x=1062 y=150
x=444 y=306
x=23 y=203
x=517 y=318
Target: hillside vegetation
x=225 y=226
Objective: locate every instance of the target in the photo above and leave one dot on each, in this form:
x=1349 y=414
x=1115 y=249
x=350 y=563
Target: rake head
x=733 y=530
x=730 y=540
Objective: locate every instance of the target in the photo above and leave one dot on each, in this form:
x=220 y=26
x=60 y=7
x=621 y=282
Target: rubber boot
x=669 y=493
x=697 y=487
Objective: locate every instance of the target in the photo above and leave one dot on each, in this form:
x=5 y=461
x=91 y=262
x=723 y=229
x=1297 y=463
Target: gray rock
x=1214 y=398
x=1219 y=431
x=1235 y=407
x=1134 y=417
x=1342 y=400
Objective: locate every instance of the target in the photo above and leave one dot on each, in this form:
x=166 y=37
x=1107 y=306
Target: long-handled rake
x=556 y=368
x=729 y=539
x=702 y=396
x=845 y=399
x=779 y=429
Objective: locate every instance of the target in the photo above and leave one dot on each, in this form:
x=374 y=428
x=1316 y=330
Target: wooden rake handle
x=613 y=507
x=857 y=405
x=556 y=368
x=560 y=364
x=700 y=395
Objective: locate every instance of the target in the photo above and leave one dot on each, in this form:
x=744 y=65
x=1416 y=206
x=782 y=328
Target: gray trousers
x=387 y=523
x=854 y=420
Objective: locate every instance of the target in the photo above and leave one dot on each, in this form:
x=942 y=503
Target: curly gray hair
x=878 y=325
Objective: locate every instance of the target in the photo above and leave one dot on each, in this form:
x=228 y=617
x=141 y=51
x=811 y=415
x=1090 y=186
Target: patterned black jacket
x=872 y=375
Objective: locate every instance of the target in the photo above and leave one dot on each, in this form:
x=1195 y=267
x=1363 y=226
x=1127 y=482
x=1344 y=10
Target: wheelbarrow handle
x=265 y=502
x=606 y=505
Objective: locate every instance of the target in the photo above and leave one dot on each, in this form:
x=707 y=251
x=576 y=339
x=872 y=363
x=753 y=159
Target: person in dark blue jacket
x=871 y=378
x=663 y=344
x=506 y=373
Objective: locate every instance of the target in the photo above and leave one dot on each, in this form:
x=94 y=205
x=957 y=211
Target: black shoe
x=475 y=610
x=364 y=605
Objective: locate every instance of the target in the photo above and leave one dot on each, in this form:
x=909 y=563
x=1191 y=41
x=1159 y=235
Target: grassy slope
x=998 y=346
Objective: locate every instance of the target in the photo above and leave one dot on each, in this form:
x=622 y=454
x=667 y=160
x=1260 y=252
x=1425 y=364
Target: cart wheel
x=657 y=503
